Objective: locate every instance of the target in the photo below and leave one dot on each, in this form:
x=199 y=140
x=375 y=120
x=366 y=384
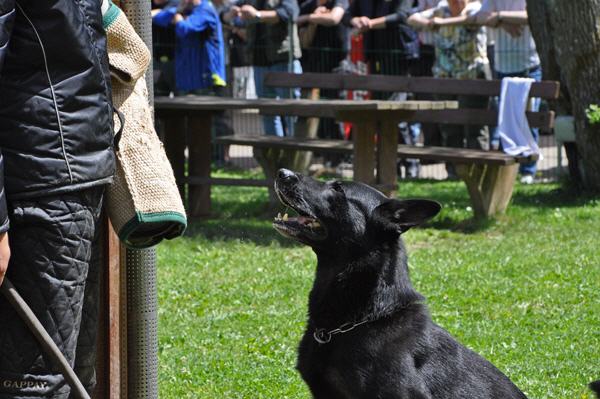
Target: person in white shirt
x=515 y=52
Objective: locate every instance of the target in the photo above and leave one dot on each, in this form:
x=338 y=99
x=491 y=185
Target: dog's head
x=344 y=214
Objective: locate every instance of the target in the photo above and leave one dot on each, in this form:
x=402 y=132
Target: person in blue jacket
x=200 y=51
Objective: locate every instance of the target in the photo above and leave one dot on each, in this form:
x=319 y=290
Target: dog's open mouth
x=303 y=227
x=299 y=226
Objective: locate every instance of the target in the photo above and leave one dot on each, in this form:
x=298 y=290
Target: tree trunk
x=539 y=19
x=567 y=36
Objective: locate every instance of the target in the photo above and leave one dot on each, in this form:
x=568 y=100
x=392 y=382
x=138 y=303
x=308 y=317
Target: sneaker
x=527 y=179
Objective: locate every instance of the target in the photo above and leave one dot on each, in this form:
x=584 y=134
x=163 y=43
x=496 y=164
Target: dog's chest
x=339 y=383
x=334 y=367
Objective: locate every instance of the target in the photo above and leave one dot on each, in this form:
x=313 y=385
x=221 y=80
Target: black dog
x=369 y=333
x=595 y=386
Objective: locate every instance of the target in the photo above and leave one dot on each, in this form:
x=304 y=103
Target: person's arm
x=228 y=14
x=427 y=20
x=250 y=14
x=495 y=19
x=399 y=17
x=198 y=21
x=513 y=22
x=303 y=19
x=421 y=20
x=327 y=18
x=388 y=20
x=4 y=247
x=487 y=14
x=361 y=24
x=287 y=10
x=490 y=15
x=7 y=20
x=166 y=17
x=512 y=17
x=4 y=255
x=382 y=22
x=332 y=17
x=451 y=21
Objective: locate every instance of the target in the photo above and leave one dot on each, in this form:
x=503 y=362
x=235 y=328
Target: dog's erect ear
x=400 y=215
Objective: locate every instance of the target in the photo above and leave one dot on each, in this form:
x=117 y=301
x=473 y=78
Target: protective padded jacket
x=56 y=124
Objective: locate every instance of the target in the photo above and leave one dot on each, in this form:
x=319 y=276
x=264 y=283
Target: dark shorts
x=54 y=264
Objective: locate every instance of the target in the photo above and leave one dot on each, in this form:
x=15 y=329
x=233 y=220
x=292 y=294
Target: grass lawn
x=522 y=291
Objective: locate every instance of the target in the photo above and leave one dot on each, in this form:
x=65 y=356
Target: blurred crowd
x=225 y=47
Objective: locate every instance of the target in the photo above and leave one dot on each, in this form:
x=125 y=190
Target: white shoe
x=527 y=179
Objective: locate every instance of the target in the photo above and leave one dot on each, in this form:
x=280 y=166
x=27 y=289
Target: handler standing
x=56 y=134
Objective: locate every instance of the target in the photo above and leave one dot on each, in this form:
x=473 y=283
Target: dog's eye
x=337 y=186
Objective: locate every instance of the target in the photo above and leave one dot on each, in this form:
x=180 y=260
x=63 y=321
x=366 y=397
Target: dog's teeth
x=315 y=225
x=285 y=217
x=278 y=216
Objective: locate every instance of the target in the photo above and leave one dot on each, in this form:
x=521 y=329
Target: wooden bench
x=489 y=175
x=186 y=123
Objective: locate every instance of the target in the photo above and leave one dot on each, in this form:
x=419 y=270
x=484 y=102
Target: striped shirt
x=516 y=54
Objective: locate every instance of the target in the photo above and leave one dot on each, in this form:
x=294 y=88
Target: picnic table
x=374 y=161
x=489 y=176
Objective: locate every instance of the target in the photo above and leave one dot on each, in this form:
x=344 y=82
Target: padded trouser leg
x=51 y=240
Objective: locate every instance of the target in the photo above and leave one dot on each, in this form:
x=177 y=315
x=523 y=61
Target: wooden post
x=116 y=342
x=200 y=152
x=490 y=186
x=364 y=151
x=174 y=142
x=306 y=127
x=111 y=342
x=387 y=147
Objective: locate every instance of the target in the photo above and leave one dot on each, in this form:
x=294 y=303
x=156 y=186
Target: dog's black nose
x=286 y=174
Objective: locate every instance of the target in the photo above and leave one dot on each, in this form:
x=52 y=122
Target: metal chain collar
x=322 y=336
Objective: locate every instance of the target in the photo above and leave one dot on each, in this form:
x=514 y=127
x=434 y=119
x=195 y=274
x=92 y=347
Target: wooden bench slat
x=302 y=107
x=289 y=143
x=543 y=120
x=433 y=153
x=464 y=116
x=460 y=155
x=387 y=83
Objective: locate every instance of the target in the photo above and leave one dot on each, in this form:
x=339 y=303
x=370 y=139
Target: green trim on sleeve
x=175 y=224
x=110 y=16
